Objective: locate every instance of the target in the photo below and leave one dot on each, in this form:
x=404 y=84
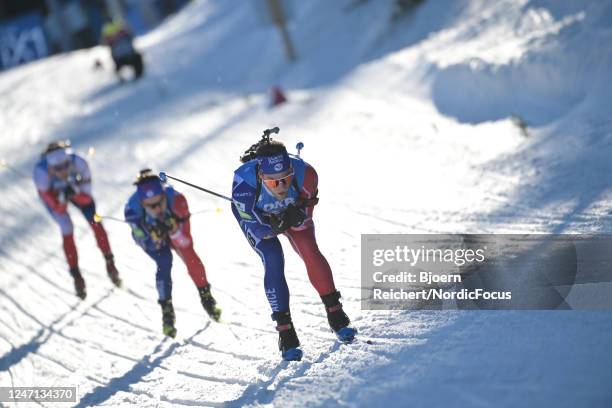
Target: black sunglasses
x=61 y=166
x=154 y=205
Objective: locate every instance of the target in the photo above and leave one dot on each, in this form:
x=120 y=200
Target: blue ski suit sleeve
x=134 y=214
x=251 y=220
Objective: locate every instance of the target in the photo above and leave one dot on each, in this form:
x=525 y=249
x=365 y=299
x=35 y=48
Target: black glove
x=292 y=217
x=279 y=222
x=295 y=215
x=170 y=221
x=157 y=231
x=161 y=229
x=166 y=226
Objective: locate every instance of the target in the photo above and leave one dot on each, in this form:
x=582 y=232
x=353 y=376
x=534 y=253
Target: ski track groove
x=142 y=368
x=44 y=333
x=254 y=391
x=125 y=321
x=191 y=403
x=225 y=380
x=7 y=326
x=250 y=328
x=215 y=350
x=45 y=357
x=35 y=273
x=258 y=392
x=95 y=346
x=21 y=308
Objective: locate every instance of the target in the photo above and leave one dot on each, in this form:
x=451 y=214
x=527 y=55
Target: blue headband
x=149 y=189
x=274 y=164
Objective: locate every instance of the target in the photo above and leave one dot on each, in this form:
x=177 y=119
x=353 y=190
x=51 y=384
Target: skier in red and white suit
x=62 y=177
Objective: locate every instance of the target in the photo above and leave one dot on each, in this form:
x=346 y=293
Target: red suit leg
x=183 y=243
x=70 y=251
x=319 y=271
x=194 y=264
x=101 y=237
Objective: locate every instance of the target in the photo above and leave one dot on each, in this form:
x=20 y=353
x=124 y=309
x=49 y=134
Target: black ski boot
x=288 y=341
x=168 y=317
x=79 y=283
x=209 y=303
x=338 y=320
x=111 y=270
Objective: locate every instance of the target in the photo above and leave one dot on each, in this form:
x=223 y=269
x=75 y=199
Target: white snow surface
x=409 y=127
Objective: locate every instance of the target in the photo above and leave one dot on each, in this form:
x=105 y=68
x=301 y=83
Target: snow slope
x=409 y=128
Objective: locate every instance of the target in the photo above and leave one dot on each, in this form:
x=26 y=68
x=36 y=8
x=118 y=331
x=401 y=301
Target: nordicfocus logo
x=278 y=166
x=275 y=159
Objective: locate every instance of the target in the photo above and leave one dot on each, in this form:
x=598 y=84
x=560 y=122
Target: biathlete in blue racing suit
x=274 y=194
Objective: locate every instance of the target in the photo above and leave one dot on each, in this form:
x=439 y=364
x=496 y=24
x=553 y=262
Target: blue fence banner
x=22 y=40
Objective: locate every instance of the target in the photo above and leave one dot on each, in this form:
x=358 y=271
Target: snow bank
x=561 y=60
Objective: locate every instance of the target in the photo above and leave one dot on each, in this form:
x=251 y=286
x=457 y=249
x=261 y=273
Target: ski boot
x=168 y=317
x=79 y=283
x=288 y=341
x=111 y=270
x=338 y=320
x=209 y=303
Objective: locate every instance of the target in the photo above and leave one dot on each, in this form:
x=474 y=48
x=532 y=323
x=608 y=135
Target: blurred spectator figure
x=32 y=29
x=118 y=37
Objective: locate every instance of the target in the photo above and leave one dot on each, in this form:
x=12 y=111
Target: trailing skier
x=274 y=194
x=62 y=177
x=159 y=218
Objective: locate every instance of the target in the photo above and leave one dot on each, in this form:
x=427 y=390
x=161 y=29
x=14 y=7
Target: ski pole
x=99 y=218
x=4 y=164
x=163 y=176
